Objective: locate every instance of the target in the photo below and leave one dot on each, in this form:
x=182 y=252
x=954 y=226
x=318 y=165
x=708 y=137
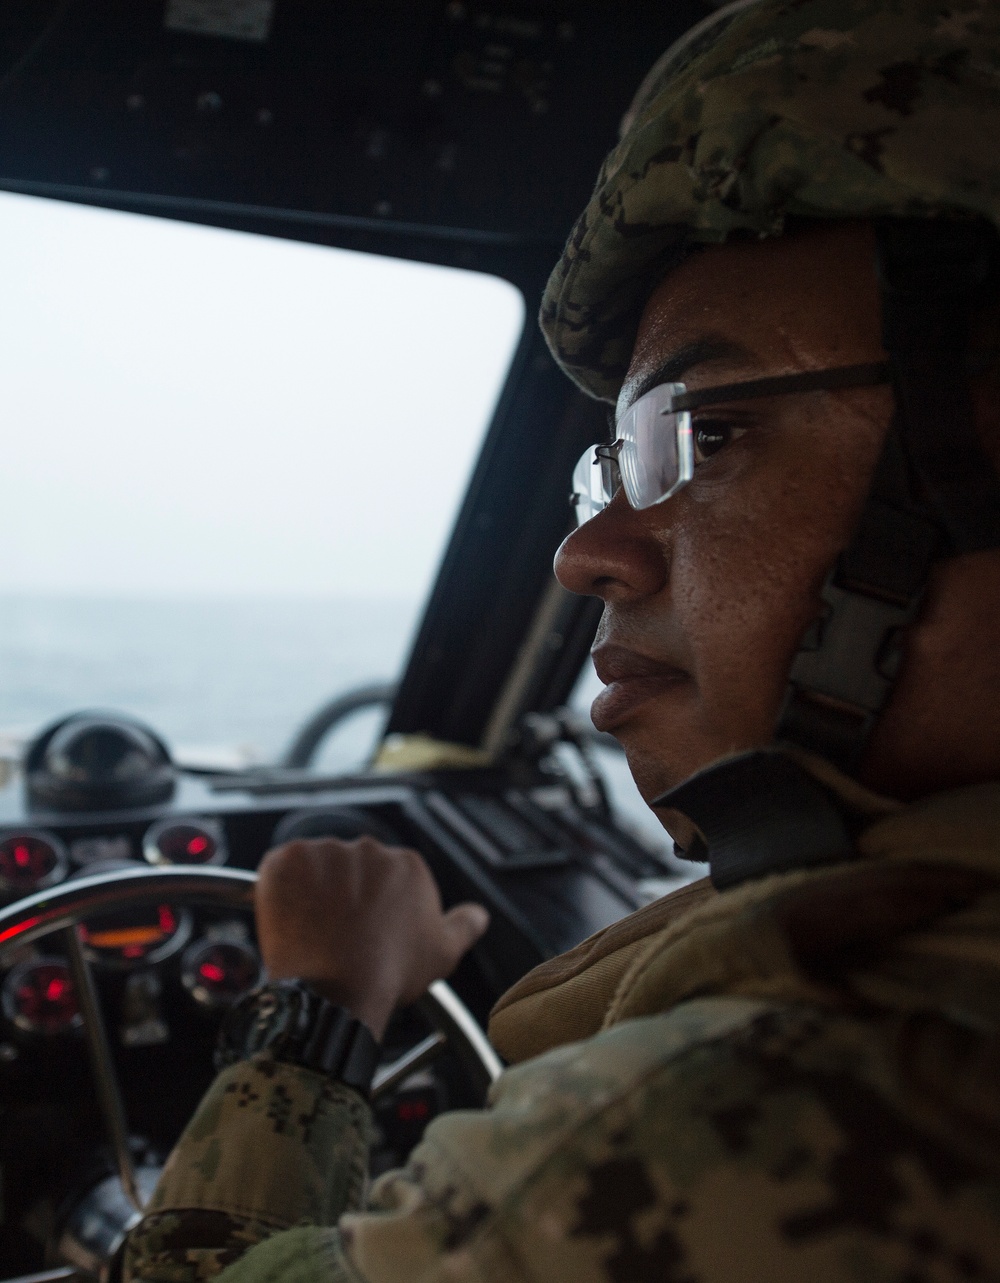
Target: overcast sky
x=190 y=411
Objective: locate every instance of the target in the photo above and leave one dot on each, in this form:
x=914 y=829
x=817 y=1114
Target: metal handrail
x=302 y=749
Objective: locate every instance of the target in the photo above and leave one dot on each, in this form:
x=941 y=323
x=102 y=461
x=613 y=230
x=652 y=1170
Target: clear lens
x=652 y=457
x=592 y=490
x=656 y=456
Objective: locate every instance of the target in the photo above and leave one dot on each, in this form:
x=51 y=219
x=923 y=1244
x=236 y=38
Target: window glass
x=231 y=464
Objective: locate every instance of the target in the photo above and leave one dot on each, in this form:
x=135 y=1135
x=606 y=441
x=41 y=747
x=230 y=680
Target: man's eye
x=711 y=436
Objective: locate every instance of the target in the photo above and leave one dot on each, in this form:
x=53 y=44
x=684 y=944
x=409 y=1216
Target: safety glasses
x=652 y=456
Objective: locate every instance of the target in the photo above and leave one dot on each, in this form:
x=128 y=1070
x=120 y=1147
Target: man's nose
x=615 y=555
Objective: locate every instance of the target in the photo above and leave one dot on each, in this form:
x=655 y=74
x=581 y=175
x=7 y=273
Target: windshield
x=231 y=466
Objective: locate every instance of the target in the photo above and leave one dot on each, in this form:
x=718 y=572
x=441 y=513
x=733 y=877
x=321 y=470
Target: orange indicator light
x=123 y=937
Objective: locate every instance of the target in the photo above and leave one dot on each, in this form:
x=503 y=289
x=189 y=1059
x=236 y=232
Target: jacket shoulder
x=726 y=1140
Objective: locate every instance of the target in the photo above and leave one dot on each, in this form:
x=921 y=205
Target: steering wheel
x=64 y=907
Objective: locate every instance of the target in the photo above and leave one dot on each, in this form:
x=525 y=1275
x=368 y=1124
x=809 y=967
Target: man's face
x=707 y=594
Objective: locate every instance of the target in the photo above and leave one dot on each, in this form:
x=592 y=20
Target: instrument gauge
x=217 y=972
x=142 y=935
x=185 y=841
x=39 y=997
x=30 y=860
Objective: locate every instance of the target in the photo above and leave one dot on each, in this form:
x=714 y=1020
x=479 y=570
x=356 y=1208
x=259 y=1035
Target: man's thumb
x=464 y=924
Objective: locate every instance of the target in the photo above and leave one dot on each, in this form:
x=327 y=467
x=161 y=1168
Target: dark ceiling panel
x=486 y=120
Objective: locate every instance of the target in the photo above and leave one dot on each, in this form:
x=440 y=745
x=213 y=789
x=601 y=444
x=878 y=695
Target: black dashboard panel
x=550 y=871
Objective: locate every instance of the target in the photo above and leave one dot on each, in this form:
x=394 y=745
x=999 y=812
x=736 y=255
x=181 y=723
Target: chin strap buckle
x=842 y=676
x=835 y=691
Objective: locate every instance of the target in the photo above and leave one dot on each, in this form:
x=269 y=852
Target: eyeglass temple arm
x=845 y=376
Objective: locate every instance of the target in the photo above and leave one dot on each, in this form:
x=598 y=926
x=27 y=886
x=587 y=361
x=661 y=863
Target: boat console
x=98 y=794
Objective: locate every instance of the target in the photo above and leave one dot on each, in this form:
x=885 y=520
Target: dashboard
x=551 y=868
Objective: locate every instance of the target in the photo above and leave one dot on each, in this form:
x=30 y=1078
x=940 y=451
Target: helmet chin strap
x=934 y=493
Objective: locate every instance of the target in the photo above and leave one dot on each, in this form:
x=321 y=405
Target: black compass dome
x=98 y=761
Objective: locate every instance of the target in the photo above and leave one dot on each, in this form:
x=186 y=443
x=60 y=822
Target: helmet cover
x=770 y=109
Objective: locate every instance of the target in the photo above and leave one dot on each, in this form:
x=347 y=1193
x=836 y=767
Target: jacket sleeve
x=275 y=1148
x=728 y=1140
x=270 y=1146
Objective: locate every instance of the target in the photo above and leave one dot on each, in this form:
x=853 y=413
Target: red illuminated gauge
x=186 y=841
x=39 y=997
x=142 y=935
x=217 y=972
x=30 y=860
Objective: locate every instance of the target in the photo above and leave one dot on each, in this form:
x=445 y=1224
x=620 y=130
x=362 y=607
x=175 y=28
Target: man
x=795 y=1074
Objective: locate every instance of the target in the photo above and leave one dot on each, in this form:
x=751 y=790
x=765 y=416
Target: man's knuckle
x=412 y=858
x=277 y=860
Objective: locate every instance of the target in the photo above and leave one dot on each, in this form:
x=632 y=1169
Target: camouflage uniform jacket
x=796 y=1079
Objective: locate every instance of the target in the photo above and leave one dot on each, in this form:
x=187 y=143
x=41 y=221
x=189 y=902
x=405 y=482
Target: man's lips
x=629 y=679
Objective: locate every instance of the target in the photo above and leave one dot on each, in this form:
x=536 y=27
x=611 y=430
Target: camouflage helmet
x=770 y=109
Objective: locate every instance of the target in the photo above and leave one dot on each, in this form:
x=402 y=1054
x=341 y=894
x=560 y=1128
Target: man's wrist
x=374 y=1010
x=298 y=1025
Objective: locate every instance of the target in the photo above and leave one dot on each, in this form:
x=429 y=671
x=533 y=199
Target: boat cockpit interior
x=465 y=134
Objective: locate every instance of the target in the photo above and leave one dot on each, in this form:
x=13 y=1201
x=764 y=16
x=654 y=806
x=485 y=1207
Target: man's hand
x=361 y=922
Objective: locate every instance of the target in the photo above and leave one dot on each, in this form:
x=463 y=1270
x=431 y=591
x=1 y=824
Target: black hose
x=302 y=749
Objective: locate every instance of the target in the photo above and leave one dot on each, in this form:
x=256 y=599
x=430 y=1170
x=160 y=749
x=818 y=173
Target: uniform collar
x=771 y=811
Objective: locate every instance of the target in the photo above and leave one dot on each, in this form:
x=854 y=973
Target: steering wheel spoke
x=397 y=1071
x=102 y=1064
x=61 y=1274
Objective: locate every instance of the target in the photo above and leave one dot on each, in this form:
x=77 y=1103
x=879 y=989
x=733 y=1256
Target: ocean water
x=237 y=675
